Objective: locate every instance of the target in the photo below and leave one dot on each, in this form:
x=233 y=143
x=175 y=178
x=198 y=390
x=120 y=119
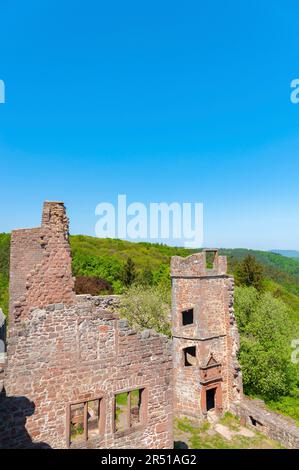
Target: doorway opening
x=210 y=397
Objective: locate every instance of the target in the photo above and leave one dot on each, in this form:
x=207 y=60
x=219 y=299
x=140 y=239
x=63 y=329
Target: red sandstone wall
x=62 y=355
x=64 y=349
x=195 y=265
x=25 y=254
x=40 y=264
x=210 y=294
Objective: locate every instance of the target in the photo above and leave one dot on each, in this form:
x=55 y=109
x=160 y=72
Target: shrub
x=128 y=275
x=146 y=308
x=92 y=286
x=103 y=267
x=161 y=277
x=265 y=352
x=250 y=273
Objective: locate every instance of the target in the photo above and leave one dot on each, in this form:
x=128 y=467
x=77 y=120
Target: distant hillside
x=280 y=269
x=153 y=254
x=287 y=253
x=105 y=258
x=145 y=255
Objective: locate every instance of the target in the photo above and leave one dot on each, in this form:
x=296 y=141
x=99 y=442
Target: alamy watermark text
x=2 y=92
x=180 y=223
x=295 y=92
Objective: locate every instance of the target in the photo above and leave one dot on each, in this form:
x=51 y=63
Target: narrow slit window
x=187 y=317
x=189 y=356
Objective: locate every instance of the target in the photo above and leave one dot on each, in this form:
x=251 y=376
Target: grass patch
x=204 y=436
x=287 y=406
x=231 y=421
x=121 y=398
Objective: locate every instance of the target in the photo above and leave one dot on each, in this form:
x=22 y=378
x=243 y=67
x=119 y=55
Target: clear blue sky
x=161 y=100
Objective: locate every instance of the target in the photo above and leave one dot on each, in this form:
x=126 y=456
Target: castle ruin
x=78 y=376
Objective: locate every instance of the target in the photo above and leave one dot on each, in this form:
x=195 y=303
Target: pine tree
x=129 y=272
x=250 y=273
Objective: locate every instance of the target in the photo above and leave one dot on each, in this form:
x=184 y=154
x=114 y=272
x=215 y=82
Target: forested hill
x=149 y=256
x=288 y=253
x=105 y=258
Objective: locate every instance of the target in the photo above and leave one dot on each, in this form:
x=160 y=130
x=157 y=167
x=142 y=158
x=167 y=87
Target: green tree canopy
x=129 y=273
x=147 y=308
x=265 y=352
x=250 y=273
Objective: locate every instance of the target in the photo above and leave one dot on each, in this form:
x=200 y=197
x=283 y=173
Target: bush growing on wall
x=147 y=308
x=92 y=286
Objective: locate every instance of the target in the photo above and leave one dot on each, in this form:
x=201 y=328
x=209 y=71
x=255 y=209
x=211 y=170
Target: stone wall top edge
x=17 y=231
x=97 y=297
x=87 y=313
x=54 y=202
x=202 y=276
x=195 y=265
x=187 y=259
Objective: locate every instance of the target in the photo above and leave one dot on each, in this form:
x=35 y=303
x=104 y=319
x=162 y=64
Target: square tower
x=205 y=337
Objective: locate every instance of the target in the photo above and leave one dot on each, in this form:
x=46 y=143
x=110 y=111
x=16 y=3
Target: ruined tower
x=40 y=264
x=205 y=337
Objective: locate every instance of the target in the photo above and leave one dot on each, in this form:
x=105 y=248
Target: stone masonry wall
x=40 y=264
x=277 y=427
x=209 y=292
x=63 y=350
x=60 y=355
x=2 y=348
